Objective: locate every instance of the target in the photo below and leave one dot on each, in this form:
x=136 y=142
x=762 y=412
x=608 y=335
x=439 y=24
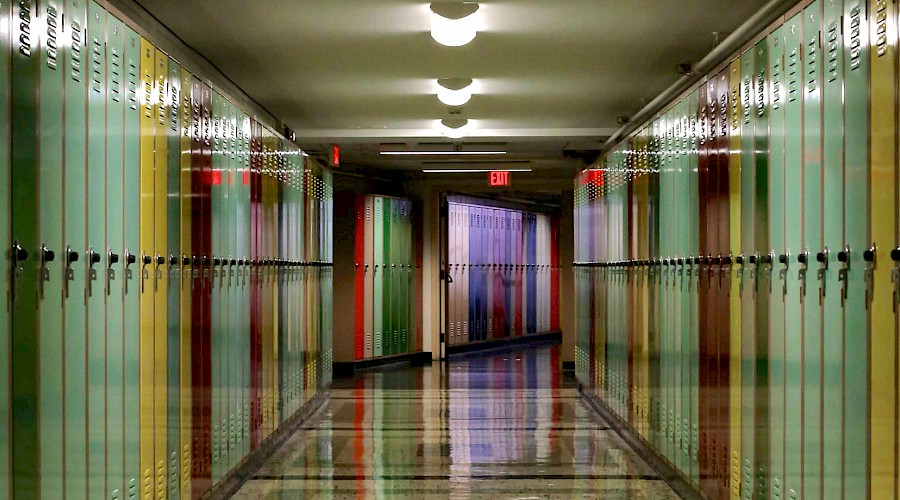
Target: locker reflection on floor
x=499 y=426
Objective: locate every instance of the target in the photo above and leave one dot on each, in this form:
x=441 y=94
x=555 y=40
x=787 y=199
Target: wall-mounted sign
x=498 y=178
x=335 y=155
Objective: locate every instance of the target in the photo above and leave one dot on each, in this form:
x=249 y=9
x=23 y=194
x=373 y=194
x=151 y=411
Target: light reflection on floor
x=504 y=426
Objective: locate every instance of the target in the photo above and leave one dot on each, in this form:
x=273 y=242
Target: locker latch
x=680 y=272
x=195 y=270
x=71 y=258
x=754 y=261
x=205 y=278
x=146 y=260
x=785 y=261
x=843 y=274
x=739 y=260
x=823 y=259
x=803 y=259
x=111 y=260
x=769 y=261
x=185 y=268
x=895 y=276
x=231 y=264
x=17 y=254
x=93 y=258
x=130 y=259
x=47 y=255
x=159 y=261
x=174 y=268
x=870 y=256
x=726 y=268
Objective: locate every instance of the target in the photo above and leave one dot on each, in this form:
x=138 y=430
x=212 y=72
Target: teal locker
x=130 y=277
x=24 y=253
x=96 y=241
x=776 y=279
x=75 y=251
x=112 y=257
x=50 y=236
x=5 y=443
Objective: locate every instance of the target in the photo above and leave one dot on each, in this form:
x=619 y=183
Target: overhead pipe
x=744 y=33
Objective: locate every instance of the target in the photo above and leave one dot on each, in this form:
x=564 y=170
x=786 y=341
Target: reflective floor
x=504 y=426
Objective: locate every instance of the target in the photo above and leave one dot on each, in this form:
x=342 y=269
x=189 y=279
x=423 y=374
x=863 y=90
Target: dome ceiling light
x=453 y=23
x=455 y=128
x=454 y=91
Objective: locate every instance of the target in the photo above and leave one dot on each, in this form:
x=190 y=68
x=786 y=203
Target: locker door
x=5 y=438
x=800 y=262
x=454 y=269
x=471 y=237
x=171 y=252
x=379 y=277
x=465 y=301
x=246 y=282
x=161 y=280
x=51 y=276
x=369 y=285
x=490 y=260
x=776 y=279
x=734 y=249
x=397 y=297
x=856 y=158
x=812 y=239
x=112 y=260
x=746 y=277
x=359 y=249
x=832 y=237
x=185 y=283
x=217 y=327
x=882 y=223
x=691 y=428
x=410 y=279
x=96 y=240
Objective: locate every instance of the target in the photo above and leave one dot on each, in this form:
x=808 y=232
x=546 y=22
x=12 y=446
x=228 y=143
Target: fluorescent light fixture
x=455 y=128
x=474 y=170
x=441 y=153
x=454 y=91
x=453 y=23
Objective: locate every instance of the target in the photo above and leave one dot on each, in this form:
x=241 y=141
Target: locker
x=746 y=277
x=707 y=345
x=882 y=223
x=856 y=189
x=172 y=254
x=113 y=259
x=369 y=288
x=186 y=282
x=217 y=325
x=812 y=239
x=776 y=278
x=800 y=262
x=96 y=240
x=50 y=270
x=5 y=174
x=734 y=112
x=832 y=237
x=379 y=277
x=359 y=246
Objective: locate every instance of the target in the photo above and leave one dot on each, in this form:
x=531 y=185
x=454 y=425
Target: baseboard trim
x=486 y=346
x=232 y=482
x=347 y=369
x=654 y=459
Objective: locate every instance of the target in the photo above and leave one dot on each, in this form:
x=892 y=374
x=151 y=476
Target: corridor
x=503 y=426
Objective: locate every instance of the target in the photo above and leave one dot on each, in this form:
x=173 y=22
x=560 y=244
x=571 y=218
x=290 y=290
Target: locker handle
x=895 y=254
x=680 y=262
x=129 y=258
x=206 y=261
x=71 y=257
x=869 y=255
x=784 y=259
x=697 y=261
x=739 y=259
x=216 y=262
x=232 y=262
x=93 y=257
x=754 y=259
x=146 y=260
x=844 y=255
x=18 y=253
x=803 y=258
x=196 y=261
x=727 y=260
x=160 y=260
x=767 y=259
x=112 y=258
x=47 y=255
x=173 y=260
x=185 y=260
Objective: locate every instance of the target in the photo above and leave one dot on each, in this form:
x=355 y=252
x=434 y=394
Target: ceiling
x=552 y=76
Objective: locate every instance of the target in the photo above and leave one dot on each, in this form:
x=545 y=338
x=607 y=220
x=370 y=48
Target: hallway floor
x=503 y=426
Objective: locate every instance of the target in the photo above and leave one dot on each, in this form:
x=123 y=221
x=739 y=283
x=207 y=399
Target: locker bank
x=393 y=249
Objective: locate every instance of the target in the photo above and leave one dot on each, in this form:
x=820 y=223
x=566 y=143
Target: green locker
x=173 y=256
x=747 y=277
x=799 y=260
x=234 y=354
x=682 y=337
x=131 y=277
x=74 y=258
x=856 y=165
x=379 y=275
x=5 y=444
x=216 y=338
x=812 y=239
x=112 y=252
x=832 y=238
x=776 y=279
x=761 y=266
x=96 y=240
x=395 y=236
x=50 y=271
x=24 y=252
x=245 y=280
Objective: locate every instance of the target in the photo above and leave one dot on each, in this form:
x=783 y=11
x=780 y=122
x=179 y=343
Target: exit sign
x=498 y=178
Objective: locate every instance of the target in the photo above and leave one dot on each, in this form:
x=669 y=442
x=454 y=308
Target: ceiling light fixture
x=474 y=170
x=453 y=23
x=454 y=91
x=441 y=153
x=455 y=128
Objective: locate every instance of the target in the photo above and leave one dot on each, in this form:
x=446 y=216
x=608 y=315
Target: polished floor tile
x=504 y=426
